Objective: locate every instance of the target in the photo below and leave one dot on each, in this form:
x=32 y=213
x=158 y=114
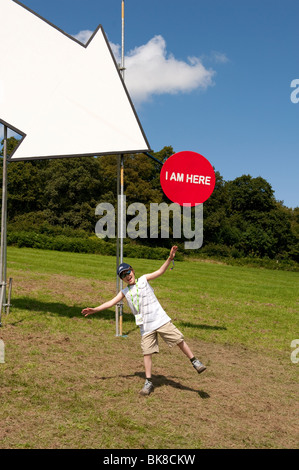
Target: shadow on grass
x=200 y=326
x=161 y=381
x=59 y=308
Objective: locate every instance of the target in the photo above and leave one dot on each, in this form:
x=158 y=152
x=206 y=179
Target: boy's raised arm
x=89 y=310
x=164 y=266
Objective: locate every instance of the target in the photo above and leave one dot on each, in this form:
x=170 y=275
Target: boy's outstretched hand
x=88 y=311
x=173 y=251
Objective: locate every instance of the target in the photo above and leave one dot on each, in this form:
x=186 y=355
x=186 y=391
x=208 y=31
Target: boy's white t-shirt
x=154 y=316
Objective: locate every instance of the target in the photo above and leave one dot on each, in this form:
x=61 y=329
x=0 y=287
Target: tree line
x=241 y=218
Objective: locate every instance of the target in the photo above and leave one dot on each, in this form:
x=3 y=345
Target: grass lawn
x=69 y=382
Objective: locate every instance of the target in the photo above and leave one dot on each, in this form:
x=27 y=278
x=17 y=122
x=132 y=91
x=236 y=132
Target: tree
x=247 y=193
x=241 y=215
x=263 y=223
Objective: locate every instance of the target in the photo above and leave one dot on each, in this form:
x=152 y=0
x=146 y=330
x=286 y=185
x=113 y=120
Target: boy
x=149 y=316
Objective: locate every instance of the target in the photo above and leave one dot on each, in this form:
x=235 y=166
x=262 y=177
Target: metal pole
x=123 y=39
x=117 y=244
x=121 y=235
x=3 y=228
x=122 y=166
x=9 y=295
x=153 y=158
x=122 y=157
x=120 y=195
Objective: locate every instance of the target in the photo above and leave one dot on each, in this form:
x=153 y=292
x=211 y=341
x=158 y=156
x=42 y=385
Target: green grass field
x=69 y=382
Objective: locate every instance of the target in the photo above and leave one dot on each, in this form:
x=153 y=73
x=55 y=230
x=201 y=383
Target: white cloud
x=83 y=36
x=219 y=57
x=150 y=70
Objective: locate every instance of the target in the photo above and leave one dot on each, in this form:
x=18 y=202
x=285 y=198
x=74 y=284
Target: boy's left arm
x=164 y=266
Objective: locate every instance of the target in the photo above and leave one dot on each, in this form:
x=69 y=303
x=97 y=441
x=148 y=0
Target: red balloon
x=187 y=178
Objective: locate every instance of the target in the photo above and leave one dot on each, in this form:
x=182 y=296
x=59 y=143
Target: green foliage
x=75 y=244
x=250 y=194
x=243 y=214
x=58 y=198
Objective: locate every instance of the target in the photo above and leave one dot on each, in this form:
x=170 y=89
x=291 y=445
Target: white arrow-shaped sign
x=64 y=97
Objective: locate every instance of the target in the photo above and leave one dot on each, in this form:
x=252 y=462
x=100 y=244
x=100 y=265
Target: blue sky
x=217 y=80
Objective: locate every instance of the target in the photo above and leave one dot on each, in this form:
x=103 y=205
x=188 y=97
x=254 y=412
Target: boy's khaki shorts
x=171 y=335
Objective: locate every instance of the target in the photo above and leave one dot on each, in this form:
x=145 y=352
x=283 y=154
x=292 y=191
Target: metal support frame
x=5 y=303
x=117 y=307
x=120 y=239
x=3 y=255
x=120 y=199
x=153 y=158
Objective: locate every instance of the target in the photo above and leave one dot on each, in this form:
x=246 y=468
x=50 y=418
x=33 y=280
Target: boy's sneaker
x=147 y=388
x=198 y=366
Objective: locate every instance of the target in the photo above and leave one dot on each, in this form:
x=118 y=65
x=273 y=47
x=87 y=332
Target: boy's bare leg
x=186 y=350
x=195 y=362
x=148 y=365
x=148 y=386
